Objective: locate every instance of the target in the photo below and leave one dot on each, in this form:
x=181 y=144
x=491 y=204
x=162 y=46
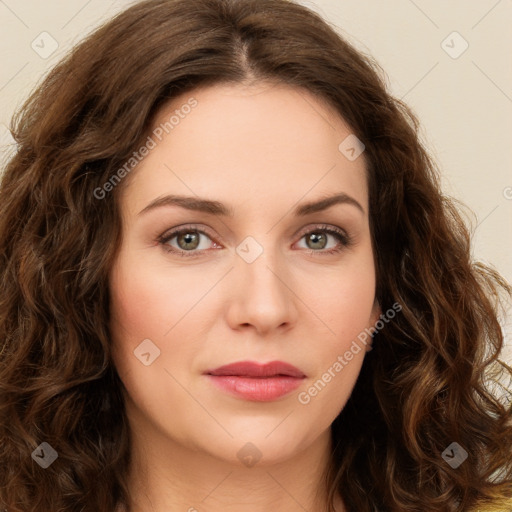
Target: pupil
x=315 y=238
x=189 y=239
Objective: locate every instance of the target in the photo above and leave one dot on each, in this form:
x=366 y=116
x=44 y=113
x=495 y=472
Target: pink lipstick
x=257 y=382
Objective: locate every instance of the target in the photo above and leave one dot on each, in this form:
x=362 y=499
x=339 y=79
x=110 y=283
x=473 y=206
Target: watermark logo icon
x=249 y=455
x=44 y=45
x=351 y=147
x=454 y=45
x=249 y=249
x=454 y=455
x=44 y=455
x=147 y=352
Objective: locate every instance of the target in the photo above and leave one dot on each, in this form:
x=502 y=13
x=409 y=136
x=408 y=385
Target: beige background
x=463 y=99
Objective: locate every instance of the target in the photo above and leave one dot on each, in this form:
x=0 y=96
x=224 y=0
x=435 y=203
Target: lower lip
x=256 y=389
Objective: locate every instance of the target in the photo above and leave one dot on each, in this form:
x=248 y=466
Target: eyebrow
x=217 y=208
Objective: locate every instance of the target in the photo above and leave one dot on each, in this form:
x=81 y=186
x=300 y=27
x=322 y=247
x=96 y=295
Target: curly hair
x=425 y=384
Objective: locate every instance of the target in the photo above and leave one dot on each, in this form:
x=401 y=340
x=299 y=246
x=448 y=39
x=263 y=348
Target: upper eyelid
x=171 y=233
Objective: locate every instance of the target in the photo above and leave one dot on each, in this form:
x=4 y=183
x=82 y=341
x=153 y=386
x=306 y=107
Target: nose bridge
x=263 y=295
x=259 y=263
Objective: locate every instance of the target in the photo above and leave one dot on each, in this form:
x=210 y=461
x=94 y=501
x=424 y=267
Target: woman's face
x=264 y=284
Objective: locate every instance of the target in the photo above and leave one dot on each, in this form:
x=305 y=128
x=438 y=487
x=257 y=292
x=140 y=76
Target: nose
x=262 y=298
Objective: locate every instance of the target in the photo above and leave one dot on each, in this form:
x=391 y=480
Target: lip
x=257 y=382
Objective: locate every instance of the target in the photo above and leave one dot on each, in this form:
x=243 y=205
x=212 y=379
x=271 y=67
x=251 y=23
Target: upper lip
x=254 y=369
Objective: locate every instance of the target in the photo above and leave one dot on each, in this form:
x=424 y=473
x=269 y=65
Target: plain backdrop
x=450 y=61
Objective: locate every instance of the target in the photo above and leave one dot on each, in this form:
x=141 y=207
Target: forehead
x=263 y=141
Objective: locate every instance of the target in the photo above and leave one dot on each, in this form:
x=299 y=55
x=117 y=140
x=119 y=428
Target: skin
x=260 y=149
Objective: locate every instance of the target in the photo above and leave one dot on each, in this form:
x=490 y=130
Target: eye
x=319 y=237
x=188 y=240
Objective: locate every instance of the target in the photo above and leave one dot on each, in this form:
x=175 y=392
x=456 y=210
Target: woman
x=230 y=282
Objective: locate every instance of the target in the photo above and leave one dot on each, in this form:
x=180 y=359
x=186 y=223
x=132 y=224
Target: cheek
x=137 y=312
x=345 y=304
x=143 y=307
x=152 y=302
x=132 y=311
x=148 y=300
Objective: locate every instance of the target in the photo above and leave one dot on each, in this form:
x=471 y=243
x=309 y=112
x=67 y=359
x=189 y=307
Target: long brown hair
x=425 y=384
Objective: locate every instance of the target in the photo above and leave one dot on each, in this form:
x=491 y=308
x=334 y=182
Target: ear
x=375 y=315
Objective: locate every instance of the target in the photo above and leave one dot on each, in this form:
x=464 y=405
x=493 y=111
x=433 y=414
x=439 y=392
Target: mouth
x=257 y=382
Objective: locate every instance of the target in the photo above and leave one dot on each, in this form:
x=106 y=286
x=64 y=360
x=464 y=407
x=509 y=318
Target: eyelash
x=340 y=235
